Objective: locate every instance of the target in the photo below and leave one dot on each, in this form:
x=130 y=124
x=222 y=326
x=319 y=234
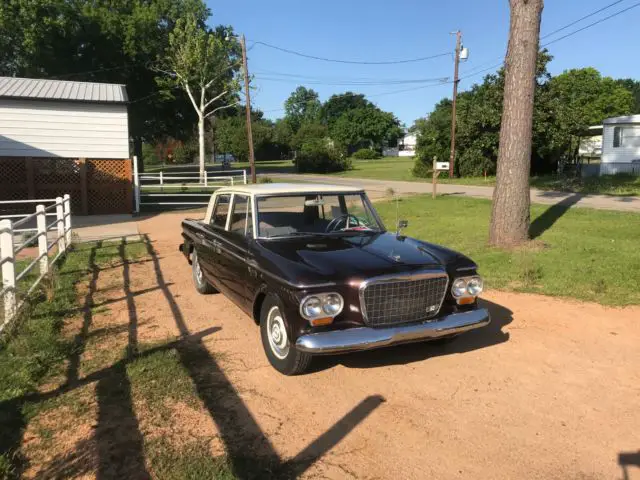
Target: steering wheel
x=333 y=224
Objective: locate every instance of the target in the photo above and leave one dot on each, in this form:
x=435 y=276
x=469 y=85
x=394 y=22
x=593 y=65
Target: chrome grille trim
x=401 y=278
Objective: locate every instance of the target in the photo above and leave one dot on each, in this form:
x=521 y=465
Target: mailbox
x=442 y=165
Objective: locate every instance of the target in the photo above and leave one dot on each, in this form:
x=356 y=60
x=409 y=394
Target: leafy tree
x=341 y=103
x=303 y=105
x=204 y=63
x=434 y=138
x=307 y=132
x=634 y=87
x=367 y=127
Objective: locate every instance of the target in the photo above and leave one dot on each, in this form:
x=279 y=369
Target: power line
x=350 y=83
x=354 y=62
x=473 y=71
x=581 y=19
x=592 y=24
x=357 y=80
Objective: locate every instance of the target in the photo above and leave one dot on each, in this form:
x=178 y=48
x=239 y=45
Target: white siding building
x=52 y=118
x=621 y=140
x=406 y=147
x=60 y=137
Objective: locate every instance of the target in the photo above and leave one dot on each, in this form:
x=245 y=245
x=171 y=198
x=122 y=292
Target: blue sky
x=377 y=30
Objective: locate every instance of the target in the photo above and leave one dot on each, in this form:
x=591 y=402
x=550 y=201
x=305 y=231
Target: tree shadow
x=404 y=354
x=626 y=460
x=551 y=215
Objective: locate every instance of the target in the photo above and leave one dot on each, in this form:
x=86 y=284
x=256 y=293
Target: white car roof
x=286 y=188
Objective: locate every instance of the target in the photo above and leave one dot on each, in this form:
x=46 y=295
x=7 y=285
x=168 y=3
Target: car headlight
x=459 y=287
x=475 y=286
x=321 y=305
x=467 y=286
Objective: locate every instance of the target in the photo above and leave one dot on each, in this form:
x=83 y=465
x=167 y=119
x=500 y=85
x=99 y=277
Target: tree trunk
x=511 y=201
x=201 y=145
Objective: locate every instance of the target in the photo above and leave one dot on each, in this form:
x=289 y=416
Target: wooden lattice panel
x=56 y=171
x=13 y=178
x=109 y=184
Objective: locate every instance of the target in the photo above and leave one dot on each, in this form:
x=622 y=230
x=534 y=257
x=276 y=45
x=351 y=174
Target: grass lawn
x=580 y=253
x=60 y=376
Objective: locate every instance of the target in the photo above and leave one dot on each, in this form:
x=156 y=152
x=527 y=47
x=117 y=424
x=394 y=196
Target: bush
x=366 y=154
x=318 y=156
x=150 y=155
x=185 y=153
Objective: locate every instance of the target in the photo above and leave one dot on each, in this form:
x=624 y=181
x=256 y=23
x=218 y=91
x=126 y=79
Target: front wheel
x=277 y=345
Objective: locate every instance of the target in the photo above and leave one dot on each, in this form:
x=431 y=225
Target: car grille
x=394 y=301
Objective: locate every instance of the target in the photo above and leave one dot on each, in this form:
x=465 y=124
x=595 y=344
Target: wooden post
x=66 y=208
x=31 y=178
x=247 y=95
x=434 y=180
x=136 y=185
x=41 y=221
x=84 y=191
x=8 y=271
x=62 y=244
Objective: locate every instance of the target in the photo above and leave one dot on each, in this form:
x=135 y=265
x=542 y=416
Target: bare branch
x=193 y=100
x=220 y=108
x=217 y=97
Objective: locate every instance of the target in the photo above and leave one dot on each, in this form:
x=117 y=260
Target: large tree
x=303 y=105
x=366 y=127
x=510 y=215
x=341 y=103
x=204 y=63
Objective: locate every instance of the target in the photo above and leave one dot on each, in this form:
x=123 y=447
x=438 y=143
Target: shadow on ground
x=626 y=460
x=551 y=215
x=485 y=337
x=116 y=449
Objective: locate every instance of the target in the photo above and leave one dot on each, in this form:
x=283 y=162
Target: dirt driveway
x=550 y=390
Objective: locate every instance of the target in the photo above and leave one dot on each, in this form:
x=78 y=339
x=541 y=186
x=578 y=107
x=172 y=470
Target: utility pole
x=452 y=156
x=252 y=161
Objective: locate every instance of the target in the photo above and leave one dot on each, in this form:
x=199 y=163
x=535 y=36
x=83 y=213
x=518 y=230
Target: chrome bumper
x=365 y=338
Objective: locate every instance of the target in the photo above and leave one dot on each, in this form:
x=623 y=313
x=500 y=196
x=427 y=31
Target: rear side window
x=241 y=221
x=220 y=211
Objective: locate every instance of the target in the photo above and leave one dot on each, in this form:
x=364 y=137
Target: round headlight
x=332 y=304
x=475 y=286
x=459 y=287
x=312 y=307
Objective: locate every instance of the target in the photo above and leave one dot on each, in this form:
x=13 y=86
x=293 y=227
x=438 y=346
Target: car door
x=233 y=245
x=209 y=237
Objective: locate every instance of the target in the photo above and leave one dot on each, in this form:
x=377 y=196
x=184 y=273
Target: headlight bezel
x=323 y=297
x=466 y=292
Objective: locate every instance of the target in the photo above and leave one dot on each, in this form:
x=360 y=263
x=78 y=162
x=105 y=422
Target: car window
x=241 y=222
x=220 y=211
x=314 y=213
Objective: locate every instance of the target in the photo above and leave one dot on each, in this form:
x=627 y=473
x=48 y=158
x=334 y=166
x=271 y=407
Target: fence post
x=62 y=245
x=67 y=218
x=136 y=184
x=41 y=222
x=161 y=178
x=206 y=178
x=244 y=176
x=8 y=269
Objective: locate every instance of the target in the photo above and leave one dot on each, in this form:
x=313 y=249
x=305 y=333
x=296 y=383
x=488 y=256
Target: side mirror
x=402 y=224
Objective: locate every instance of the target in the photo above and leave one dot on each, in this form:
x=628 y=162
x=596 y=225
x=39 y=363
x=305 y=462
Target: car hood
x=313 y=260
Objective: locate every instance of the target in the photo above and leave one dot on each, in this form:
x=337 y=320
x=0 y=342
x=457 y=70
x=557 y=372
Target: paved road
x=606 y=202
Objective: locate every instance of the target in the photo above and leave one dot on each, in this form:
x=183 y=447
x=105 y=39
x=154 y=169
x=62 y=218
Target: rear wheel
x=202 y=286
x=282 y=354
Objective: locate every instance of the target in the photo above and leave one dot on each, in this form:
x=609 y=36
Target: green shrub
x=366 y=154
x=185 y=153
x=150 y=155
x=318 y=156
x=265 y=180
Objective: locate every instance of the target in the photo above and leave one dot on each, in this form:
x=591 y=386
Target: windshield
x=316 y=214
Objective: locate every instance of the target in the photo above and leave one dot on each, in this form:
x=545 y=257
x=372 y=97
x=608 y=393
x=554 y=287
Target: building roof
x=40 y=89
x=625 y=119
x=287 y=188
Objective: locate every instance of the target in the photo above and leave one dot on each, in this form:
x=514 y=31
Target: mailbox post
x=438 y=167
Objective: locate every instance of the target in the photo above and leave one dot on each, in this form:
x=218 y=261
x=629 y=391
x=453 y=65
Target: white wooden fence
x=13 y=229
x=166 y=188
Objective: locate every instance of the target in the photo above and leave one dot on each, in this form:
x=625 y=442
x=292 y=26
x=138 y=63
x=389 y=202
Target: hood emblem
x=394 y=257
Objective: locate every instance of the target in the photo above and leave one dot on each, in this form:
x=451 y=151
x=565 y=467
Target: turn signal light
x=466 y=300
x=318 y=322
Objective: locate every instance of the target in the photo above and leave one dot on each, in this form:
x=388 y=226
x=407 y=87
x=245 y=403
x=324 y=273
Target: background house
x=406 y=147
x=61 y=137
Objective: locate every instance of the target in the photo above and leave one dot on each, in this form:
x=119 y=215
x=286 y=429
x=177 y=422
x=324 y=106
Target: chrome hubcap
x=198 y=269
x=278 y=340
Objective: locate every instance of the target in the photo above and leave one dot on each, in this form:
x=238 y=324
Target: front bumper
x=365 y=338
